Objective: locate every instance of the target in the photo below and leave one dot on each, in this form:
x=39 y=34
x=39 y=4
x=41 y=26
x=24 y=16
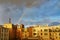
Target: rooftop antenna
x=9 y=20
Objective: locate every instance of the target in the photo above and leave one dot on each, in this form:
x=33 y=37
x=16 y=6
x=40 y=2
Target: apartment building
x=20 y=31
x=12 y=30
x=54 y=33
x=35 y=31
x=44 y=33
x=25 y=33
x=30 y=30
x=4 y=33
x=47 y=32
x=0 y=31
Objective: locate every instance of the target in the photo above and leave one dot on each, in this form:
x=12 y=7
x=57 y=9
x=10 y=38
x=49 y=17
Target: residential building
x=4 y=33
x=36 y=30
x=44 y=33
x=30 y=30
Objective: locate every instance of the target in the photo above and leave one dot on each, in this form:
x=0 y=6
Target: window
x=41 y=30
x=50 y=38
x=1 y=38
x=59 y=30
x=45 y=30
x=50 y=30
x=45 y=33
x=50 y=34
x=59 y=37
x=55 y=30
x=56 y=37
x=22 y=30
x=34 y=30
x=34 y=33
x=5 y=38
x=25 y=35
x=2 y=34
x=5 y=35
x=5 y=30
x=59 y=34
x=2 y=30
x=41 y=33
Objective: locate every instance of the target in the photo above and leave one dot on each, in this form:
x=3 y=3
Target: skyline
x=38 y=13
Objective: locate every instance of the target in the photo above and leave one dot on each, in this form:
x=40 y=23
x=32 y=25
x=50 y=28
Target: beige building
x=35 y=31
x=47 y=32
x=55 y=33
x=44 y=33
x=25 y=33
x=4 y=33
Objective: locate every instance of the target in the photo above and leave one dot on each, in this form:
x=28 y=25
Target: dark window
x=50 y=34
x=56 y=37
x=50 y=30
x=45 y=33
x=45 y=30
x=41 y=30
x=56 y=30
x=34 y=30
x=2 y=30
x=1 y=38
x=59 y=30
x=2 y=34
x=5 y=38
x=22 y=30
x=59 y=37
x=25 y=35
x=34 y=33
x=41 y=33
x=5 y=35
x=5 y=30
x=59 y=34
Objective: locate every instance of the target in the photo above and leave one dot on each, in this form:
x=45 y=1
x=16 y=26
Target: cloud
x=10 y=8
x=9 y=11
x=31 y=3
x=36 y=11
x=21 y=2
x=44 y=12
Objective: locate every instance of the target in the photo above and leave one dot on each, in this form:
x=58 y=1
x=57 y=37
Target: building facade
x=18 y=32
x=4 y=33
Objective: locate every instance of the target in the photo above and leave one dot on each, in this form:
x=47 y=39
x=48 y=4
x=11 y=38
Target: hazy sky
x=30 y=12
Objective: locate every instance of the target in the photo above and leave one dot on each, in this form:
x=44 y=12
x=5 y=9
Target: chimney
x=9 y=20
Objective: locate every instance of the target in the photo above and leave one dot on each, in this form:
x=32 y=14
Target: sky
x=30 y=12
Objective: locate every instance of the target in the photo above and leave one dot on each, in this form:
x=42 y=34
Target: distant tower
x=9 y=20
